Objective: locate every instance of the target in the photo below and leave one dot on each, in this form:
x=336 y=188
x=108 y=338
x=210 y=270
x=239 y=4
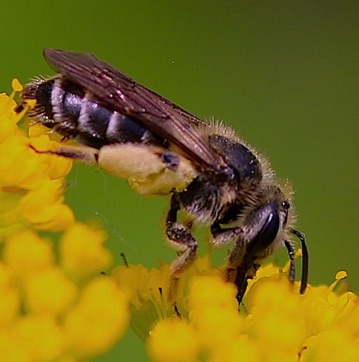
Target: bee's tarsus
x=305 y=259
x=291 y=255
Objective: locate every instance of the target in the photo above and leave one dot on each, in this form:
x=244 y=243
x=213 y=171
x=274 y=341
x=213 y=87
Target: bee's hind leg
x=87 y=155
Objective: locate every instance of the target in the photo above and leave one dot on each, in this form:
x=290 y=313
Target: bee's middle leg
x=183 y=241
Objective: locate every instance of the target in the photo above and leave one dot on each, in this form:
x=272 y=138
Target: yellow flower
x=44 y=207
x=55 y=305
x=98 y=320
x=25 y=253
x=31 y=183
x=61 y=292
x=146 y=289
x=39 y=337
x=204 y=305
x=82 y=252
x=275 y=322
x=10 y=297
x=174 y=340
x=7 y=105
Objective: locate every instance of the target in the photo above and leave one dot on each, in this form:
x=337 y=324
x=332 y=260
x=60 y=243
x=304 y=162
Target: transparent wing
x=125 y=96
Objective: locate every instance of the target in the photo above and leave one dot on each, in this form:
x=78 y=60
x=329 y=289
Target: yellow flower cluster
x=55 y=304
x=275 y=322
x=31 y=183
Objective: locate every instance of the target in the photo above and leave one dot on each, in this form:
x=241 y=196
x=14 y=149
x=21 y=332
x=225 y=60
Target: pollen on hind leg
x=150 y=170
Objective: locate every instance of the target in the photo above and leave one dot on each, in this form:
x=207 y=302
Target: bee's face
x=212 y=175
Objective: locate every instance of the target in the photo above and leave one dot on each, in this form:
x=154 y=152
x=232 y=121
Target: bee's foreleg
x=258 y=236
x=183 y=241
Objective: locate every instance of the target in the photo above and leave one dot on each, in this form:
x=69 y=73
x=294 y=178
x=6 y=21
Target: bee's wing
x=125 y=96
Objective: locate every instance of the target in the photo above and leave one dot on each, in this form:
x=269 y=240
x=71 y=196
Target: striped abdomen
x=74 y=113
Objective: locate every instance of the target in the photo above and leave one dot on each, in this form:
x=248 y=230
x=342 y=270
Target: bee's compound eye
x=266 y=235
x=171 y=160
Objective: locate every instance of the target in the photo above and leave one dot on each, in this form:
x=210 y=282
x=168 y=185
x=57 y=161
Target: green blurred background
x=284 y=74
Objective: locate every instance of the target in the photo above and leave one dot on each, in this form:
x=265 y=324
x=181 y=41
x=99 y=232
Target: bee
x=213 y=177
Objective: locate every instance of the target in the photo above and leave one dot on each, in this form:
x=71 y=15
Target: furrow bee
x=213 y=177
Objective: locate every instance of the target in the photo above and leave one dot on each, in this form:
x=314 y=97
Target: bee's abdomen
x=74 y=113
